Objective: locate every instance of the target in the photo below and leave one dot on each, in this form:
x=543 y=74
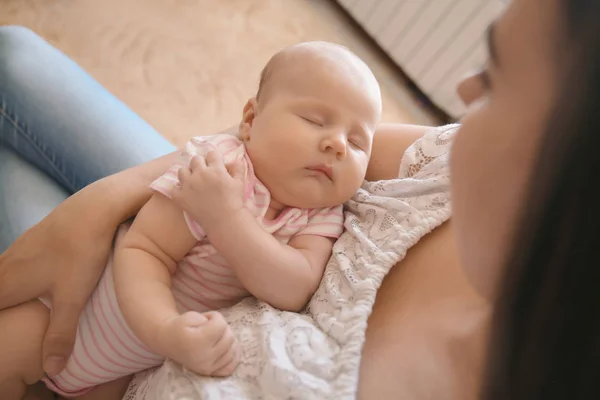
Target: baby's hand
x=203 y=343
x=209 y=190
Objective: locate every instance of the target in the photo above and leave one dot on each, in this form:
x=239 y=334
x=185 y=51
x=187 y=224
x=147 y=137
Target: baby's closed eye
x=313 y=119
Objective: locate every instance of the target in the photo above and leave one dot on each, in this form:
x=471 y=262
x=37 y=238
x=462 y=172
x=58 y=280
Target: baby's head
x=309 y=130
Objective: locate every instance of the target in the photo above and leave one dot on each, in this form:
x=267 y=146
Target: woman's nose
x=470 y=89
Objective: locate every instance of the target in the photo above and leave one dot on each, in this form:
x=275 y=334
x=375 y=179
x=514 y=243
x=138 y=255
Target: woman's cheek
x=472 y=202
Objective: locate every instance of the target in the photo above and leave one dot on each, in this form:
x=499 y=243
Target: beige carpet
x=188 y=66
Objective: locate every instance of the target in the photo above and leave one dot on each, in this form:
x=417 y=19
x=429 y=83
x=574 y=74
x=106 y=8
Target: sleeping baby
x=265 y=225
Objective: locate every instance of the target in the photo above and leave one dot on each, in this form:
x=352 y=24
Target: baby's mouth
x=324 y=169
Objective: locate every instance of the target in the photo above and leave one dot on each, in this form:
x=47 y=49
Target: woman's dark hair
x=546 y=330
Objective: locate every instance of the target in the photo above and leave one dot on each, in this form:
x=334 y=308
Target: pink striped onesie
x=106 y=349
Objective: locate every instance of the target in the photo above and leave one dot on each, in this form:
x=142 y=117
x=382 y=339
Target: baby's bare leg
x=22 y=331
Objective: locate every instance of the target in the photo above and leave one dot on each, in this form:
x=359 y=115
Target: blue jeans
x=59 y=131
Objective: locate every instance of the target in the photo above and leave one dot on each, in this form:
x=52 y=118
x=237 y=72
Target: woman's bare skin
x=427 y=316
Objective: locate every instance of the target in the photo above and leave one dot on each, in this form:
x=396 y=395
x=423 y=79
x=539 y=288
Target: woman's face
x=494 y=151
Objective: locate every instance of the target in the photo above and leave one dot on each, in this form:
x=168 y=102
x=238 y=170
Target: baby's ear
x=248 y=115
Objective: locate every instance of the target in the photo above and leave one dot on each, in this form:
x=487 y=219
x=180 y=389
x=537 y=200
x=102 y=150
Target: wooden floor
x=188 y=66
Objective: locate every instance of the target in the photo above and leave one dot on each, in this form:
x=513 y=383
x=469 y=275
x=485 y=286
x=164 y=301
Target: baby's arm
x=143 y=265
x=285 y=276
x=144 y=262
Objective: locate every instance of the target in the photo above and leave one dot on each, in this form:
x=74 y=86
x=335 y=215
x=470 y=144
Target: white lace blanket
x=316 y=354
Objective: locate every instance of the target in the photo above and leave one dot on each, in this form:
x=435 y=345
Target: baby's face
x=311 y=136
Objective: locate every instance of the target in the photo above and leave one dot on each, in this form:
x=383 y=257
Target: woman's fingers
x=16 y=283
x=60 y=336
x=70 y=293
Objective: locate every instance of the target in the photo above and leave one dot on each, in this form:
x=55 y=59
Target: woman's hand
x=61 y=259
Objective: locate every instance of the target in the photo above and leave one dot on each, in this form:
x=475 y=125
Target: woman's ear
x=248 y=114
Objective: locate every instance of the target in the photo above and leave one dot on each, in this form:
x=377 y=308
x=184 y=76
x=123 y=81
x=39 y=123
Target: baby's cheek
x=350 y=183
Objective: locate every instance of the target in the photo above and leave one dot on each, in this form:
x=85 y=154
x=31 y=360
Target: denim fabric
x=59 y=131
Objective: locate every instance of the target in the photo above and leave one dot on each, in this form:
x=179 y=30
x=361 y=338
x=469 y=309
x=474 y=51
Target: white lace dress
x=316 y=354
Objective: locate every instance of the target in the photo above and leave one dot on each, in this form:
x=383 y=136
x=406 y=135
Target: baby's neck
x=275 y=208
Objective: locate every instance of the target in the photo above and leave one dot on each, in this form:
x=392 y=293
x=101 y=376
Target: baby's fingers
x=225 y=343
x=227 y=364
x=214 y=159
x=212 y=332
x=183 y=174
x=236 y=169
x=197 y=163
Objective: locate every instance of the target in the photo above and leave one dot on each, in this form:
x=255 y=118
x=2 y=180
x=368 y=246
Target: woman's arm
x=389 y=144
x=66 y=252
x=127 y=191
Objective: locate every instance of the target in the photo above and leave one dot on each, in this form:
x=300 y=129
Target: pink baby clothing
x=106 y=349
